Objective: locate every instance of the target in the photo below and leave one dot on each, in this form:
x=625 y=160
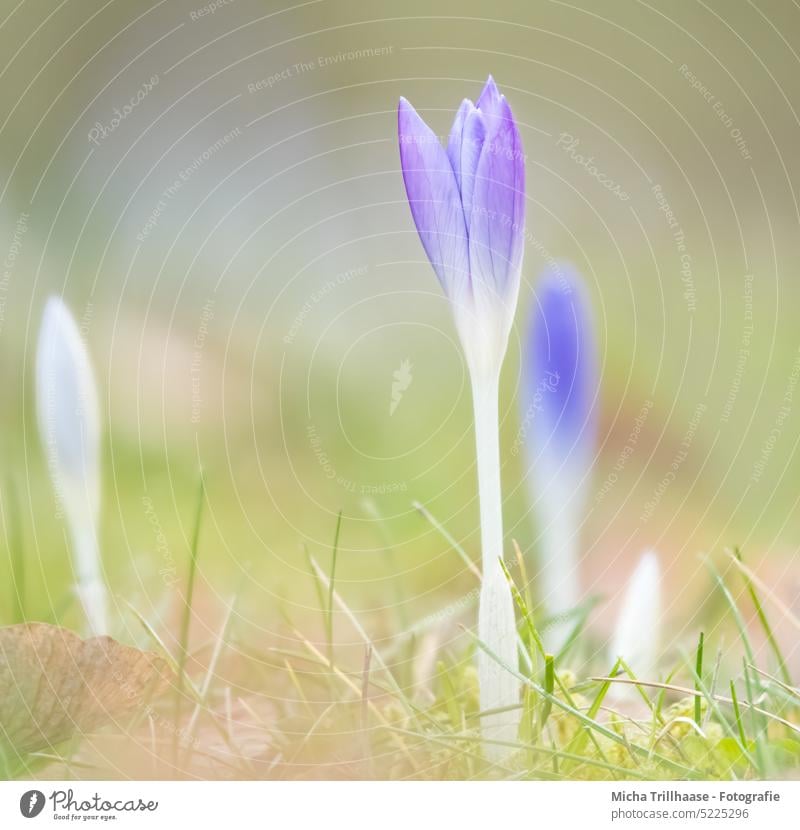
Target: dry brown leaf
x=54 y=684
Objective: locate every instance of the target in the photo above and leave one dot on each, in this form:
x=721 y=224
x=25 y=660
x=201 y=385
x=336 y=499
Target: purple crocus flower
x=468 y=203
x=559 y=406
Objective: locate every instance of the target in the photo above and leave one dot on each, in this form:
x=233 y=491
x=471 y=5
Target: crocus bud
x=69 y=425
x=559 y=404
x=468 y=203
x=637 y=632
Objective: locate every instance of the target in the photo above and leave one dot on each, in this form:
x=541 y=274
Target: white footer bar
x=398 y=805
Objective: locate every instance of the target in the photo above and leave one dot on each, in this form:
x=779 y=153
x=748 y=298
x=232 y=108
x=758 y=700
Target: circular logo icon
x=31 y=803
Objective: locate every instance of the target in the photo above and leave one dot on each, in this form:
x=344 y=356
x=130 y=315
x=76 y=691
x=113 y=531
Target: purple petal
x=490 y=99
x=456 y=138
x=464 y=150
x=434 y=199
x=472 y=145
x=497 y=223
x=561 y=381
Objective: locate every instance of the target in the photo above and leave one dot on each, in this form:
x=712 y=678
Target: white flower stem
x=496 y=623
x=90 y=587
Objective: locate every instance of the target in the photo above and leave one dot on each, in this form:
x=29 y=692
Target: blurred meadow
x=215 y=192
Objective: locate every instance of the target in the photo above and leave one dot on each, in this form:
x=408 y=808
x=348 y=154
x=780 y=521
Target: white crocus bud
x=637 y=632
x=69 y=424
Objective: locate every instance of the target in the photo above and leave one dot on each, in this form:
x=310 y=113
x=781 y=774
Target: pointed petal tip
x=650 y=563
x=408 y=115
x=56 y=314
x=406 y=110
x=490 y=93
x=464 y=107
x=53 y=303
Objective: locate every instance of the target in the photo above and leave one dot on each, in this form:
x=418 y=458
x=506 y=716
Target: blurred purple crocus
x=468 y=203
x=559 y=405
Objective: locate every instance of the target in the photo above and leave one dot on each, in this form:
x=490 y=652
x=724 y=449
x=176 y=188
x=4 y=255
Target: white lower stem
x=90 y=587
x=496 y=623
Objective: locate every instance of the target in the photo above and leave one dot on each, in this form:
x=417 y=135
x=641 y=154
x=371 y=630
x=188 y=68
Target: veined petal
x=434 y=199
x=464 y=150
x=472 y=143
x=456 y=137
x=497 y=223
x=561 y=372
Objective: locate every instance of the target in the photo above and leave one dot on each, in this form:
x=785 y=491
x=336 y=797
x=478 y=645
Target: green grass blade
x=698 y=670
x=428 y=516
x=330 y=587
x=737 y=714
x=762 y=618
x=183 y=642
x=549 y=686
x=737 y=614
x=600 y=728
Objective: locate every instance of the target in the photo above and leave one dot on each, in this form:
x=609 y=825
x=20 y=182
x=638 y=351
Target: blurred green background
x=240 y=254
